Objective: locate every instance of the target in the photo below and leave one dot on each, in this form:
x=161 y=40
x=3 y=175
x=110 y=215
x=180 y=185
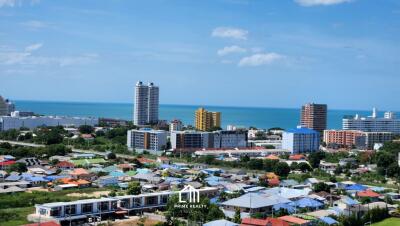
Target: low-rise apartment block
x=344 y=138
x=147 y=139
x=198 y=140
x=82 y=209
x=355 y=138
x=301 y=140
x=15 y=121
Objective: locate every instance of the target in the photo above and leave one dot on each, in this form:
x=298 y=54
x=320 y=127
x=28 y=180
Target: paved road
x=73 y=149
x=22 y=143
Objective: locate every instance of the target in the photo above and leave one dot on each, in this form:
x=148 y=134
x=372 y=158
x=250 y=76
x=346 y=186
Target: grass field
x=388 y=222
x=16 y=216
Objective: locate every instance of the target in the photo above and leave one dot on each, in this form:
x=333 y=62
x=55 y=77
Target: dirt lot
x=96 y=194
x=133 y=221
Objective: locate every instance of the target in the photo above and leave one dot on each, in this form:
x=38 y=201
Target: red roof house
x=368 y=193
x=272 y=157
x=273 y=182
x=6 y=164
x=65 y=165
x=294 y=220
x=297 y=157
x=263 y=222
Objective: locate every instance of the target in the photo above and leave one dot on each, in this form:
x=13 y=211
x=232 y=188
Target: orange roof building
x=272 y=157
x=263 y=222
x=125 y=166
x=65 y=165
x=79 y=172
x=79 y=182
x=297 y=157
x=273 y=182
x=368 y=193
x=294 y=220
x=271 y=175
x=144 y=160
x=254 y=221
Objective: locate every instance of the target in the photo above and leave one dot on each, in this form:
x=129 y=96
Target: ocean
x=240 y=116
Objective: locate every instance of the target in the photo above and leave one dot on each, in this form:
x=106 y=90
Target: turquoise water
x=242 y=116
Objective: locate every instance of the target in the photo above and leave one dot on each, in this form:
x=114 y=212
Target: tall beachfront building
x=6 y=107
x=146 y=104
x=389 y=123
x=205 y=120
x=314 y=116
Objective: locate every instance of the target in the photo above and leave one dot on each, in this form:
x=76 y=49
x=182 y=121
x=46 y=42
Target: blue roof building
x=300 y=140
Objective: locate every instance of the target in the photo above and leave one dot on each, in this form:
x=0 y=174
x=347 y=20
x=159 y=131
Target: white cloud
x=231 y=49
x=260 y=59
x=320 y=2
x=34 y=24
x=33 y=47
x=230 y=32
x=10 y=58
x=26 y=57
x=12 y=3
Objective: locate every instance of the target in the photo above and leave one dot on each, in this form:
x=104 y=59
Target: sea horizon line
x=192 y=105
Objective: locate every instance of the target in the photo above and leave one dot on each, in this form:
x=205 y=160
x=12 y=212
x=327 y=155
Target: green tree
x=19 y=167
x=256 y=164
x=282 y=169
x=236 y=218
x=294 y=166
x=321 y=186
x=304 y=167
x=208 y=213
x=86 y=129
x=315 y=158
x=134 y=188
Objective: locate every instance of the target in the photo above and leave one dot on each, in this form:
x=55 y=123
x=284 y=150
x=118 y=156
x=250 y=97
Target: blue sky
x=280 y=53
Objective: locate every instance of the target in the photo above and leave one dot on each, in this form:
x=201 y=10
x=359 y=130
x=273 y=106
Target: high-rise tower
x=146 y=104
x=314 y=116
x=205 y=120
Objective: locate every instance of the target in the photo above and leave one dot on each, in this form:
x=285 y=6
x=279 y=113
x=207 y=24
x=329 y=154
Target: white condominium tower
x=146 y=104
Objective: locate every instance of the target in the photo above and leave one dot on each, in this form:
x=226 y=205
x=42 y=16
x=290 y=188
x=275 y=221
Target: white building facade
x=16 y=122
x=175 y=125
x=372 y=138
x=389 y=123
x=147 y=139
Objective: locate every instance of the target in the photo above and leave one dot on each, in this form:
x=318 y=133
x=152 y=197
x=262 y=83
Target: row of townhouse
x=83 y=209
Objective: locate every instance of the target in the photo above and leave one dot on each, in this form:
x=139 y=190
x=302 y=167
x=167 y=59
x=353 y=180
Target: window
x=102 y=206
x=114 y=205
x=87 y=208
x=137 y=202
x=70 y=210
x=152 y=200
x=55 y=211
x=42 y=211
x=125 y=203
x=164 y=199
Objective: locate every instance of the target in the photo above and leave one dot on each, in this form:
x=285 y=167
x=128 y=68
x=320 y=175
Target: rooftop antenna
x=374 y=112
